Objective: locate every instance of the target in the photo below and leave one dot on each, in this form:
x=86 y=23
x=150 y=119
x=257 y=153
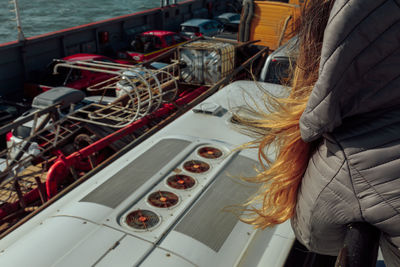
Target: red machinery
x=62 y=166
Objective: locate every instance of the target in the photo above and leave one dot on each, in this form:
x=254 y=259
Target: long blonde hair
x=275 y=202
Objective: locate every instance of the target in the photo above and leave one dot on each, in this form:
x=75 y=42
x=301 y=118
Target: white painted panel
x=60 y=241
x=91 y=248
x=164 y=258
x=187 y=247
x=276 y=253
x=128 y=253
x=90 y=211
x=285 y=230
x=269 y=247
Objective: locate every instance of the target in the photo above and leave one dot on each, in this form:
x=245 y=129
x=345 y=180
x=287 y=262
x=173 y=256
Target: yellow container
x=273 y=22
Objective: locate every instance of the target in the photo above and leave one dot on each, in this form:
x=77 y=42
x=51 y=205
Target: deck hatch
x=206 y=221
x=116 y=189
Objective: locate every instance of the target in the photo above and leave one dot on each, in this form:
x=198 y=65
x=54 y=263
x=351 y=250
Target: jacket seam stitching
x=379 y=195
x=379 y=164
x=345 y=68
x=324 y=128
x=347 y=160
x=319 y=195
x=336 y=14
x=362 y=177
x=353 y=30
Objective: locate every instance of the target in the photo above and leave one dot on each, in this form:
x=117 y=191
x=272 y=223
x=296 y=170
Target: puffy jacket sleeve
x=326 y=201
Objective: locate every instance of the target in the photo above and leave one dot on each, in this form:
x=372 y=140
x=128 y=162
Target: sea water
x=43 y=16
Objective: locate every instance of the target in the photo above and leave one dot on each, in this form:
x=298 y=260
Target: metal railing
x=360 y=247
x=142 y=89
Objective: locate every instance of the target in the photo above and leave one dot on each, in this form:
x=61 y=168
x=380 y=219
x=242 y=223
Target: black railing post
x=360 y=247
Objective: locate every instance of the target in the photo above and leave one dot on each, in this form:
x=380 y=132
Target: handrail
x=360 y=247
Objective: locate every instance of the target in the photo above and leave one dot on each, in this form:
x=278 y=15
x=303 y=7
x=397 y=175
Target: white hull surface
x=92 y=225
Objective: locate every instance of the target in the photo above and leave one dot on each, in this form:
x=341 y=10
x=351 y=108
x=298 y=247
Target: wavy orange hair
x=275 y=202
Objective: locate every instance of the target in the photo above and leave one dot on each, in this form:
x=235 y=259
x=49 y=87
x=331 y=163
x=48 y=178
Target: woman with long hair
x=337 y=134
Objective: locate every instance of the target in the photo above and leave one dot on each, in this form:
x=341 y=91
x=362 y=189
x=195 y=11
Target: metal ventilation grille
x=181 y=181
x=206 y=221
x=196 y=166
x=142 y=219
x=116 y=189
x=209 y=152
x=163 y=199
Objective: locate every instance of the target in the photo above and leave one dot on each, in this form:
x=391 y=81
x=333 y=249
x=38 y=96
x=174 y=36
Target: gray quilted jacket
x=353 y=115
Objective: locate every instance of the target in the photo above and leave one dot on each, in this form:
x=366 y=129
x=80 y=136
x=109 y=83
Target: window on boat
x=50 y=79
x=169 y=40
x=208 y=26
x=224 y=20
x=105 y=60
x=63 y=77
x=72 y=76
x=278 y=71
x=151 y=43
x=157 y=42
x=144 y=38
x=178 y=39
x=190 y=29
x=234 y=17
x=22 y=131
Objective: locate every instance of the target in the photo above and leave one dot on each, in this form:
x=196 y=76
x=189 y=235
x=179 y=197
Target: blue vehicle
x=230 y=21
x=199 y=27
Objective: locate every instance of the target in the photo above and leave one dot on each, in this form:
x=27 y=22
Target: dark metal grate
x=181 y=181
x=127 y=180
x=196 y=166
x=206 y=221
x=142 y=219
x=209 y=152
x=163 y=199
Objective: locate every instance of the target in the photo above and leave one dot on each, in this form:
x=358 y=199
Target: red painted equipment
x=61 y=167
